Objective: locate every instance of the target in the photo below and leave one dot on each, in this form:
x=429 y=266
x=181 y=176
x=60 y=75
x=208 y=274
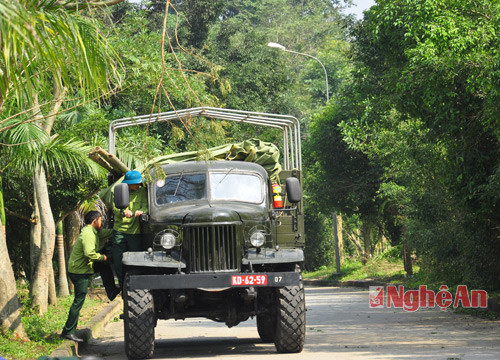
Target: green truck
x=223 y=239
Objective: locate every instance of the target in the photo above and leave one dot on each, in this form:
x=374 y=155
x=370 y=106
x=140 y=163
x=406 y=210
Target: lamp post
x=281 y=47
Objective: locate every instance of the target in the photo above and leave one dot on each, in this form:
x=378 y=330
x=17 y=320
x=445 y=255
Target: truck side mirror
x=121 y=196
x=293 y=190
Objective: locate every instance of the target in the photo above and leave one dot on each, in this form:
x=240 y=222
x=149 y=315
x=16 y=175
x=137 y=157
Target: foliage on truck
x=260 y=152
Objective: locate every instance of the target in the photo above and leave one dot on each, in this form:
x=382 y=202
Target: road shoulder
x=92 y=330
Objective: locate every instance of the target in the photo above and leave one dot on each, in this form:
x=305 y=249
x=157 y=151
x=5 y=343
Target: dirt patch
x=97 y=294
x=97 y=300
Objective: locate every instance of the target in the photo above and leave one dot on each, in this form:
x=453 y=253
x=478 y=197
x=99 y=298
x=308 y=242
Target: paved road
x=339 y=326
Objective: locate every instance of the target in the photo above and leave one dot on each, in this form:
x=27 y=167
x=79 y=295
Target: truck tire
x=266 y=327
x=139 y=322
x=291 y=319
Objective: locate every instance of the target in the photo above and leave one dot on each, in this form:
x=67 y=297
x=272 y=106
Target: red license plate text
x=248 y=280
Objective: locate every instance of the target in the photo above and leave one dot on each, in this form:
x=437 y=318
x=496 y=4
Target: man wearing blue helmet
x=127 y=230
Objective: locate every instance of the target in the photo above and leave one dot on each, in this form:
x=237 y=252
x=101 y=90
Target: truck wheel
x=266 y=328
x=139 y=322
x=291 y=319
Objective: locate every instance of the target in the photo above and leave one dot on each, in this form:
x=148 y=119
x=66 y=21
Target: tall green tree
x=160 y=78
x=427 y=86
x=49 y=52
x=341 y=178
x=265 y=79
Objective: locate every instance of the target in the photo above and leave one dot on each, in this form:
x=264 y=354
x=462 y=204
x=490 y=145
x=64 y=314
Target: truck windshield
x=236 y=187
x=183 y=187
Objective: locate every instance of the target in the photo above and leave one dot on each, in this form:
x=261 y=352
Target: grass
x=44 y=331
x=380 y=268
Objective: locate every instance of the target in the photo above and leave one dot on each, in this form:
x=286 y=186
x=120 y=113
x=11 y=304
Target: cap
x=133 y=177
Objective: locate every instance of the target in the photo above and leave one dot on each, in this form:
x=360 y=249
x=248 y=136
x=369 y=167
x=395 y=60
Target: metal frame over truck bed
x=289 y=125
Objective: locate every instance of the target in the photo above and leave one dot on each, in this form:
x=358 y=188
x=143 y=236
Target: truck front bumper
x=215 y=280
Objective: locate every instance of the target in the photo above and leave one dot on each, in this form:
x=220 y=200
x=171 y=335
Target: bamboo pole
x=108 y=161
x=100 y=161
x=112 y=160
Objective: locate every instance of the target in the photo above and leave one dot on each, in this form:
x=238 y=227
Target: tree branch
x=19 y=216
x=59 y=94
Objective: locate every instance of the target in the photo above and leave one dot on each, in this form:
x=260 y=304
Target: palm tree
x=47 y=51
x=35 y=149
x=46 y=47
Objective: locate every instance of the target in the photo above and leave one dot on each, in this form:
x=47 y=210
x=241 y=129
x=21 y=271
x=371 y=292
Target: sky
x=359 y=6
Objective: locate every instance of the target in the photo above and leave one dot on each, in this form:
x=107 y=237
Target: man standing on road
x=83 y=262
x=126 y=229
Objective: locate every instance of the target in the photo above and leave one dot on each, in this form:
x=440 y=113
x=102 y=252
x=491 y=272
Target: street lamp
x=281 y=47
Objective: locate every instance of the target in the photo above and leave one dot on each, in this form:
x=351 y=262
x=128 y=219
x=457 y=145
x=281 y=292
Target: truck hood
x=211 y=213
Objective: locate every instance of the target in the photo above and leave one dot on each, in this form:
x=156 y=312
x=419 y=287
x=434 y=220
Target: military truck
x=219 y=242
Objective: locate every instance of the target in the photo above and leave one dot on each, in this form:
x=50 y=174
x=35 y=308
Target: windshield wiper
x=180 y=178
x=223 y=178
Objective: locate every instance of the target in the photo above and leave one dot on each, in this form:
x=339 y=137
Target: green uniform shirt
x=85 y=252
x=138 y=201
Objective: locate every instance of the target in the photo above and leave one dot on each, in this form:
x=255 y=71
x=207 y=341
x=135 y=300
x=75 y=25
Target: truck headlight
x=168 y=240
x=257 y=239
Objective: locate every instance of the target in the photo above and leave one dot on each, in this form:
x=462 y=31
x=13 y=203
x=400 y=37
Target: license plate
x=248 y=280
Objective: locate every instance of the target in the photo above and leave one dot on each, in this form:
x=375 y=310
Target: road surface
x=340 y=325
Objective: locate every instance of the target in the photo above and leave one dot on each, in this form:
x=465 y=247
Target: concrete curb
x=93 y=329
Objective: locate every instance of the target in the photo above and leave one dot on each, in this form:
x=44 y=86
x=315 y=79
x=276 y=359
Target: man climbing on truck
x=126 y=228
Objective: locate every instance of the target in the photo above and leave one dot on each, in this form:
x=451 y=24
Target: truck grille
x=212 y=248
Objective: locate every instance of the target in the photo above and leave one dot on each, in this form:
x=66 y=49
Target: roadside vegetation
x=44 y=331
x=386 y=267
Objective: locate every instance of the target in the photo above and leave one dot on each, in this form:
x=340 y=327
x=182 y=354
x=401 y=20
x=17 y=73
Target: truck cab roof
x=222 y=165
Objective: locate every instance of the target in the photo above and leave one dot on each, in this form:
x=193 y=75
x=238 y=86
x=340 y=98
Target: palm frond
x=69 y=156
x=73 y=116
x=43 y=38
x=130 y=156
x=58 y=156
x=24 y=136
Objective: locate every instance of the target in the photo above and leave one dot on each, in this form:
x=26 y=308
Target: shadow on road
x=202 y=347
x=190 y=348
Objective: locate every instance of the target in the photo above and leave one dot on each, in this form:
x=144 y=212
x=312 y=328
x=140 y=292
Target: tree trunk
x=339 y=246
x=43 y=268
x=62 y=279
x=52 y=286
x=71 y=232
x=108 y=161
x=35 y=243
x=341 y=239
x=10 y=316
x=354 y=238
x=367 y=240
x=408 y=266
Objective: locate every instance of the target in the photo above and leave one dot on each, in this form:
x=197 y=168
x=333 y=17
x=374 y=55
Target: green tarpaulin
x=263 y=153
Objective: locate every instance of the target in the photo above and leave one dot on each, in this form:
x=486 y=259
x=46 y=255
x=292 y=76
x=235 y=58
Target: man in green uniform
x=83 y=262
x=126 y=229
